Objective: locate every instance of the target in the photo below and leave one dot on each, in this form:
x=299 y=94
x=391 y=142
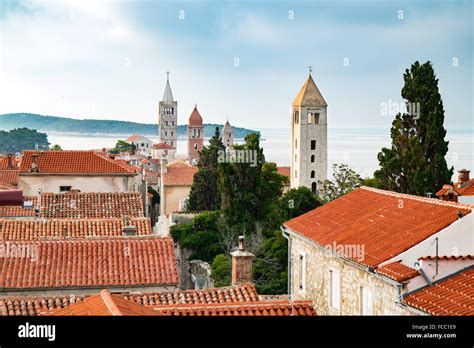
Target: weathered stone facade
x=318 y=264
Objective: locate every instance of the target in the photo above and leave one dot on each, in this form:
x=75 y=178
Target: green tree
x=204 y=193
x=123 y=146
x=19 y=139
x=221 y=270
x=56 y=147
x=416 y=163
x=296 y=202
x=345 y=180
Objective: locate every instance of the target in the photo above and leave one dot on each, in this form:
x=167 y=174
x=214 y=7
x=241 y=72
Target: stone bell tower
x=168 y=117
x=309 y=149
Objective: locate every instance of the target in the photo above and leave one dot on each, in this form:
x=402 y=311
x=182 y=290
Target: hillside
x=69 y=125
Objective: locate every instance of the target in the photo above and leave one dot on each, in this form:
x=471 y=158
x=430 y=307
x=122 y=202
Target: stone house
x=142 y=144
x=359 y=254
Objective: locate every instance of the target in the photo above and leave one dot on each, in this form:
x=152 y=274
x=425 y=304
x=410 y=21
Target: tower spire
x=168 y=95
x=167 y=76
x=310 y=68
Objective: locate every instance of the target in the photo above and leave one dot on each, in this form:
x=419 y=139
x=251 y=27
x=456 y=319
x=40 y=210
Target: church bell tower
x=168 y=117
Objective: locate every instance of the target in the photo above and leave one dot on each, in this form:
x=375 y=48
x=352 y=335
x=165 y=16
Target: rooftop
x=453 y=295
x=89 y=263
x=68 y=162
x=179 y=176
x=384 y=222
x=309 y=95
x=397 y=271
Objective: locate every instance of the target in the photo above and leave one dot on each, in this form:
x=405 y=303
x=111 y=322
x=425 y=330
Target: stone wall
x=319 y=263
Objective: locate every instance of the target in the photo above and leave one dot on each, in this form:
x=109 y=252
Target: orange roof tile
x=32 y=305
x=261 y=308
x=103 y=304
x=448 y=258
x=126 y=165
x=466 y=190
x=284 y=171
x=9 y=177
x=163 y=146
x=18 y=211
x=9 y=164
x=88 y=263
x=179 y=176
x=69 y=228
x=91 y=205
x=453 y=295
x=385 y=223
x=232 y=294
x=71 y=162
x=397 y=271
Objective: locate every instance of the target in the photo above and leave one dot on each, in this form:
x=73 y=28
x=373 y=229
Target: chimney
x=241 y=264
x=463 y=177
x=10 y=164
x=34 y=163
x=129 y=230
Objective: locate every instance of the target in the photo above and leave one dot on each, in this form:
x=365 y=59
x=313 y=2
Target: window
x=366 y=301
x=195 y=146
x=296 y=143
x=143 y=145
x=199 y=133
x=312 y=158
x=171 y=133
x=302 y=271
x=64 y=188
x=296 y=158
x=313 y=117
x=194 y=132
x=313 y=144
x=166 y=133
x=296 y=173
x=312 y=174
x=316 y=118
x=313 y=186
x=172 y=123
x=335 y=290
x=296 y=117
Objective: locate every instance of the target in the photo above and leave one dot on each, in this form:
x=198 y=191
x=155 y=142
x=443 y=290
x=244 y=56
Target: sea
x=356 y=147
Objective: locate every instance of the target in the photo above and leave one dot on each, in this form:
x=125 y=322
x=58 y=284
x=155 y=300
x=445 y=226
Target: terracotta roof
x=103 y=304
x=5 y=165
x=9 y=177
x=92 y=205
x=136 y=137
x=284 y=171
x=385 y=223
x=397 y=271
x=32 y=305
x=18 y=211
x=179 y=176
x=68 y=228
x=163 y=146
x=453 y=295
x=97 y=263
x=195 y=119
x=71 y=162
x=262 y=308
x=467 y=189
x=232 y=294
x=448 y=258
x=309 y=95
x=179 y=163
x=7 y=187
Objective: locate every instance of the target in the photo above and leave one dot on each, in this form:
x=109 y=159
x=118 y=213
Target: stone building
x=195 y=136
x=308 y=137
x=168 y=117
x=228 y=135
x=142 y=144
x=360 y=254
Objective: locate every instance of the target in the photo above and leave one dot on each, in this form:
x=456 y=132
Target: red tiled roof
x=69 y=228
x=179 y=176
x=9 y=177
x=126 y=165
x=262 y=308
x=125 y=262
x=163 y=146
x=18 y=211
x=135 y=137
x=103 y=304
x=5 y=165
x=453 y=295
x=32 y=306
x=71 y=162
x=232 y=294
x=284 y=171
x=385 y=223
x=448 y=258
x=467 y=189
x=92 y=205
x=397 y=271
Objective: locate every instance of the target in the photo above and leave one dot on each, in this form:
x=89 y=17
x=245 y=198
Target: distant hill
x=69 y=125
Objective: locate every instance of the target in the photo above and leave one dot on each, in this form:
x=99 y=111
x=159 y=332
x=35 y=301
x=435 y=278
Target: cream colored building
x=176 y=181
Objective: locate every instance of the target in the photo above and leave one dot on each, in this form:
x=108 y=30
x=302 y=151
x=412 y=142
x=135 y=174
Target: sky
x=239 y=60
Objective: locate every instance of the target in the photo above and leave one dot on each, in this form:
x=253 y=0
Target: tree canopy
x=19 y=139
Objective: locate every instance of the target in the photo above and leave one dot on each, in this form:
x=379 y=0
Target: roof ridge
x=109 y=303
x=418 y=198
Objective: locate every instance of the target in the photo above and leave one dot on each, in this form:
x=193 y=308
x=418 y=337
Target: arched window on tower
x=312 y=158
x=312 y=174
x=314 y=187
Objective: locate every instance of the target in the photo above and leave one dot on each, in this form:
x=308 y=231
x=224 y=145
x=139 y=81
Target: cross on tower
x=167 y=75
x=310 y=69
